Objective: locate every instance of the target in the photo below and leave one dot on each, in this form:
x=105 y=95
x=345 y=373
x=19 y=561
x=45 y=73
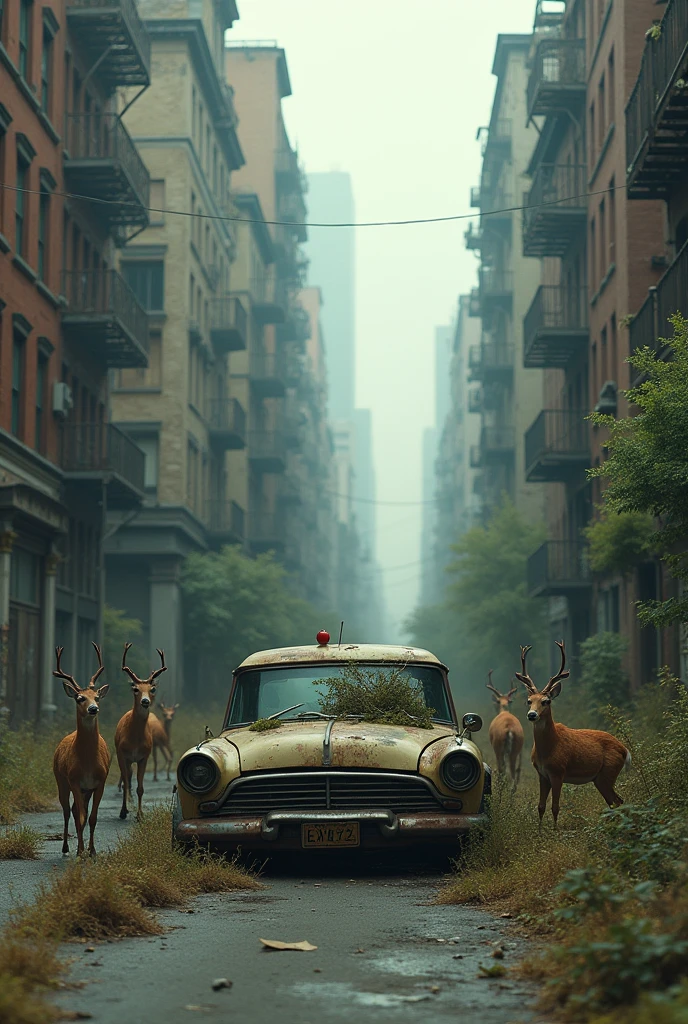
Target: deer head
x=502 y=700
x=539 y=700
x=168 y=713
x=87 y=699
x=143 y=689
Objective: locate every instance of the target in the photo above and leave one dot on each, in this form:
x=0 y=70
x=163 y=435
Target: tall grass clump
x=19 y=843
x=26 y=771
x=28 y=971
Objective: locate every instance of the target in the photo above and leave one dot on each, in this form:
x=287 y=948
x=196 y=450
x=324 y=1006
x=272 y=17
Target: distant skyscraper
x=332 y=267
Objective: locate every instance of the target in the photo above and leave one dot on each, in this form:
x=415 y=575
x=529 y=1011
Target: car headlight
x=198 y=773
x=460 y=770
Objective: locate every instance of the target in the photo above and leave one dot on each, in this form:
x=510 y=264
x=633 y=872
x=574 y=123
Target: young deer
x=133 y=735
x=561 y=754
x=506 y=734
x=82 y=760
x=162 y=738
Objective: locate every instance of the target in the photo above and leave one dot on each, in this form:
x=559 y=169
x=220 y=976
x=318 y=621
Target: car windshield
x=260 y=693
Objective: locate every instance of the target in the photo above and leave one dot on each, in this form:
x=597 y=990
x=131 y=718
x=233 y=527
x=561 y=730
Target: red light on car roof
x=323 y=638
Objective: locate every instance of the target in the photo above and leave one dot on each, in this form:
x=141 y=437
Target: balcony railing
x=650 y=326
x=96 y=450
x=555 y=328
x=475 y=400
x=111 y=33
x=227 y=423
x=498 y=136
x=555 y=209
x=104 y=315
x=268 y=306
x=475 y=196
x=656 y=113
x=296 y=328
x=267 y=373
x=266 y=532
x=557 y=445
x=267 y=450
x=226 y=521
x=228 y=324
x=497 y=443
x=496 y=286
x=558 y=79
x=559 y=568
x=102 y=162
x=496 y=358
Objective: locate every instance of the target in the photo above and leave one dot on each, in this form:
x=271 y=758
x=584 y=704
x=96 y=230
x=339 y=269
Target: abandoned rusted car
x=324 y=782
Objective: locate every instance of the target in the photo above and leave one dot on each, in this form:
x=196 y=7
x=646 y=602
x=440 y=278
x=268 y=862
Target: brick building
x=66 y=319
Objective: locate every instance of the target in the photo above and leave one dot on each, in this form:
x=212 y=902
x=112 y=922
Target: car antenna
x=341 y=630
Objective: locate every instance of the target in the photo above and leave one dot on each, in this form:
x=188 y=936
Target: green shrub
x=386 y=697
x=602 y=674
x=619 y=541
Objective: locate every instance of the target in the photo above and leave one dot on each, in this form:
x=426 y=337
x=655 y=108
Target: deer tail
x=508 y=743
x=628 y=761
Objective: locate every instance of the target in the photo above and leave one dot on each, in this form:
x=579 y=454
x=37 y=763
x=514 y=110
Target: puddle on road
x=340 y=995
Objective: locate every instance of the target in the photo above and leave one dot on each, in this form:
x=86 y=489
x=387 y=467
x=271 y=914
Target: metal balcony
x=267 y=305
x=557 y=79
x=650 y=326
x=290 y=490
x=267 y=451
x=498 y=140
x=497 y=444
x=296 y=328
x=101 y=162
x=104 y=316
x=555 y=209
x=475 y=400
x=267 y=373
x=555 y=328
x=557 y=445
x=473 y=238
x=474 y=302
x=657 y=111
x=266 y=532
x=228 y=324
x=288 y=175
x=559 y=568
x=93 y=454
x=225 y=521
x=475 y=196
x=496 y=208
x=475 y=457
x=496 y=360
x=227 y=424
x=112 y=40
x=496 y=289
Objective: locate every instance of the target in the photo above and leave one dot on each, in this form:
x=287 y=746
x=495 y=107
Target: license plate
x=331 y=833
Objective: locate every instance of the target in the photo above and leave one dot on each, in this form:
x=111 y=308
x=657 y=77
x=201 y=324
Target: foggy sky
x=393 y=92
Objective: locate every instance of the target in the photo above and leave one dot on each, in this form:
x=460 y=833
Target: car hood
x=351 y=745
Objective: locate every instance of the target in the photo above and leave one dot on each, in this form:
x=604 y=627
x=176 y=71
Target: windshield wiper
x=292 y=708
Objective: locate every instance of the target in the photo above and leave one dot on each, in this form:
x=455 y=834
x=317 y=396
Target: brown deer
x=162 y=738
x=506 y=734
x=561 y=754
x=133 y=735
x=82 y=760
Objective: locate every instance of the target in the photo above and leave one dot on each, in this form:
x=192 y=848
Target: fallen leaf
x=505 y=915
x=498 y=971
x=434 y=988
x=90 y=949
x=306 y=947
x=457 y=956
x=359 y=951
x=221 y=983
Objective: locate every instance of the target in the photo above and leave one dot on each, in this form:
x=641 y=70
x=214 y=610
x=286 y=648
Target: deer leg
x=556 y=795
x=155 y=763
x=605 y=786
x=140 y=772
x=97 y=797
x=79 y=812
x=125 y=779
x=64 y=794
x=517 y=772
x=545 y=786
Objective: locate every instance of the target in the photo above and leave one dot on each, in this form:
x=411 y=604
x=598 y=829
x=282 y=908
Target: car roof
x=378 y=653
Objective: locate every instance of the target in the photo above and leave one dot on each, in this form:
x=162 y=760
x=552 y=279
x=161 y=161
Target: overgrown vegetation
x=375 y=695
x=19 y=843
x=115 y=896
x=603 y=679
x=618 y=542
x=609 y=888
x=26 y=772
x=646 y=472
x=264 y=725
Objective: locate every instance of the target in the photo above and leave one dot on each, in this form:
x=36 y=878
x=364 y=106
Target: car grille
x=320 y=791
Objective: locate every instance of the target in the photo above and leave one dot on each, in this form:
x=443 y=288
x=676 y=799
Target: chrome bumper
x=268 y=828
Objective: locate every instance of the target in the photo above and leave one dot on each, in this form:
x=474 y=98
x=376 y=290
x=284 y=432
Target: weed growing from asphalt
x=28 y=970
x=27 y=782
x=19 y=843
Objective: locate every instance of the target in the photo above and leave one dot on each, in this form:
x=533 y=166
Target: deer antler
x=523 y=675
x=512 y=691
x=101 y=667
x=125 y=668
x=490 y=686
x=561 y=674
x=158 y=671
x=63 y=675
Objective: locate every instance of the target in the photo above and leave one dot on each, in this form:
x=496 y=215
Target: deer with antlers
x=82 y=760
x=162 y=738
x=561 y=754
x=133 y=735
x=506 y=734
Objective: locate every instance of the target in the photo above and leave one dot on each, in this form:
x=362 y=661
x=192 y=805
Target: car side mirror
x=471 y=723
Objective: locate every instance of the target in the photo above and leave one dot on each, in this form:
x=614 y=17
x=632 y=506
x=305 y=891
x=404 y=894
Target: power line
x=322 y=224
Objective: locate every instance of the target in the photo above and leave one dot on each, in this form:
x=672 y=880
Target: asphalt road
x=385 y=952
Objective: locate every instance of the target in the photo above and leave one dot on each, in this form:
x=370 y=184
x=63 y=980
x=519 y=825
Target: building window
x=593 y=254
x=149 y=445
x=18 y=352
x=41 y=392
x=591 y=122
x=24 y=576
x=43 y=233
x=20 y=206
x=612 y=221
x=601 y=111
x=25 y=11
x=46 y=70
x=603 y=239
x=146 y=280
x=610 y=84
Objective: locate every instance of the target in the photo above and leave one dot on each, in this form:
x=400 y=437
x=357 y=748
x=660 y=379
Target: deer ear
x=103 y=690
x=175 y=707
x=70 y=689
x=555 y=690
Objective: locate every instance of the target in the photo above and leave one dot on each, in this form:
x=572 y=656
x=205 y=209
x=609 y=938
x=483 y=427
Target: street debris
x=200 y=1007
x=74 y=1014
x=221 y=983
x=303 y=946
x=497 y=971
